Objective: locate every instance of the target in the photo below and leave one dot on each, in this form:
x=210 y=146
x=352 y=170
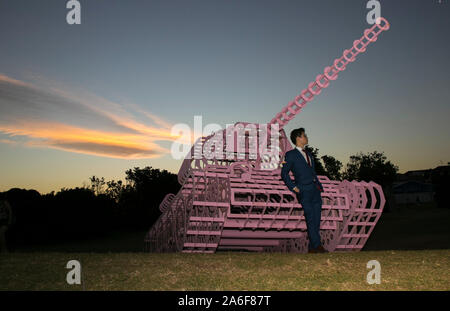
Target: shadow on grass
x=412 y=227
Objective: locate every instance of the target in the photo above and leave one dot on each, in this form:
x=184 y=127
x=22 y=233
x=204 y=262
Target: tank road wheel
x=327 y=238
x=298 y=245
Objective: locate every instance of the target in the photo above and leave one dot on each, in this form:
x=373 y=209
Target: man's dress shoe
x=318 y=249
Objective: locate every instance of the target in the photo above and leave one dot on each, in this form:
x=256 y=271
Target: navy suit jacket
x=303 y=173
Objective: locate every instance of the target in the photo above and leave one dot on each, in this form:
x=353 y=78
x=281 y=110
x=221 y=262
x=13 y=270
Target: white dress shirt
x=303 y=154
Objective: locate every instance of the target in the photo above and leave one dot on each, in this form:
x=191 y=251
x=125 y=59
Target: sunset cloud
x=45 y=115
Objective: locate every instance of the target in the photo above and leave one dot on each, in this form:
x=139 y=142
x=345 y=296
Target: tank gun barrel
x=330 y=73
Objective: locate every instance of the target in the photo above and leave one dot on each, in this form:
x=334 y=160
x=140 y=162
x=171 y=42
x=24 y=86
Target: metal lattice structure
x=235 y=202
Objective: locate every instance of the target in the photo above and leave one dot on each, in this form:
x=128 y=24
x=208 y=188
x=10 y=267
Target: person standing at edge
x=307 y=186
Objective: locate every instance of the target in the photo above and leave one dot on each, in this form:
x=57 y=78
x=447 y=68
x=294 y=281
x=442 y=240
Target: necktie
x=309 y=163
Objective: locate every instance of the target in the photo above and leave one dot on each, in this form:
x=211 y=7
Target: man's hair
x=296 y=133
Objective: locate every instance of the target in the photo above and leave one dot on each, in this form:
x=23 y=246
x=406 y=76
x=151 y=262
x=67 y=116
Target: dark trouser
x=311 y=201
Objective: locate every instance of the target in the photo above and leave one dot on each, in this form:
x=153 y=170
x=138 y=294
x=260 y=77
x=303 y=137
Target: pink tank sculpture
x=238 y=202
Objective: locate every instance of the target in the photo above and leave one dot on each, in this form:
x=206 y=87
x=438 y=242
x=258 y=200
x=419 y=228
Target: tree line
x=92 y=210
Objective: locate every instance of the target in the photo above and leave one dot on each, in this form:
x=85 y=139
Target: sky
x=101 y=97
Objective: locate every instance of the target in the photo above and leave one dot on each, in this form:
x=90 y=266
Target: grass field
x=400 y=270
x=412 y=245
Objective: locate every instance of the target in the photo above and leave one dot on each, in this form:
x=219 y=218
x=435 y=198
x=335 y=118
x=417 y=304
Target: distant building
x=442 y=171
x=413 y=192
x=417 y=175
x=441 y=182
x=420 y=186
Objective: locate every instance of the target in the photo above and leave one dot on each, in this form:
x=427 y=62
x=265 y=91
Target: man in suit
x=306 y=187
